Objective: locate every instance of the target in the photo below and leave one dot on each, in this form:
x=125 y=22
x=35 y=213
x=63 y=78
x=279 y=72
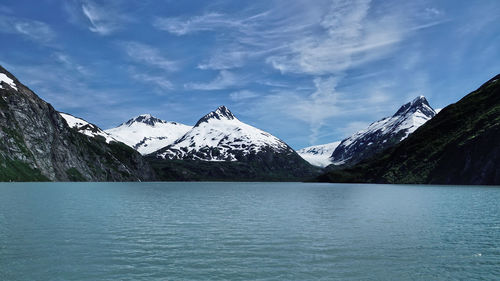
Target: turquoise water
x=248 y=231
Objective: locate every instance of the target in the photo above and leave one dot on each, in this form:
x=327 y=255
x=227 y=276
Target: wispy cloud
x=158 y=81
x=225 y=60
x=225 y=80
x=346 y=38
x=32 y=29
x=148 y=55
x=103 y=19
x=69 y=63
x=207 y=22
x=242 y=95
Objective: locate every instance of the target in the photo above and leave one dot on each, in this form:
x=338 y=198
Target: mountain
x=319 y=155
x=85 y=127
x=147 y=134
x=384 y=133
x=38 y=144
x=219 y=139
x=461 y=145
x=220 y=136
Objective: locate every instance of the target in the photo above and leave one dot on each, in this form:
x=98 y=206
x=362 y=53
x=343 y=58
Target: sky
x=309 y=72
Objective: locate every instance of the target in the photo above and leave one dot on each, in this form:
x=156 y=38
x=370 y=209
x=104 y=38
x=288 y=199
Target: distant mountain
x=36 y=143
x=147 y=134
x=319 y=155
x=220 y=138
x=86 y=128
x=384 y=133
x=461 y=145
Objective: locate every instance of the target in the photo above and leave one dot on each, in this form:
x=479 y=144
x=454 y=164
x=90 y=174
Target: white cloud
x=207 y=22
x=324 y=41
x=224 y=80
x=103 y=19
x=148 y=55
x=313 y=108
x=225 y=60
x=242 y=95
x=32 y=29
x=347 y=37
x=158 y=81
x=68 y=63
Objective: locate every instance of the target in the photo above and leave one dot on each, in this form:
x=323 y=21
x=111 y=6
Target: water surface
x=248 y=231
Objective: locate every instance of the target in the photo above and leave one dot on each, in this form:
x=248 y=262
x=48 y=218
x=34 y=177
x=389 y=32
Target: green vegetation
x=75 y=175
x=196 y=170
x=15 y=170
x=18 y=139
x=461 y=145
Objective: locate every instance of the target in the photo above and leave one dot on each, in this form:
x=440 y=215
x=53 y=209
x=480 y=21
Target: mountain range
x=40 y=143
x=377 y=137
x=146 y=133
x=234 y=150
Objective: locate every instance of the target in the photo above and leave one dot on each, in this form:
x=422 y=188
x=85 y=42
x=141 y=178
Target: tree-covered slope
x=460 y=145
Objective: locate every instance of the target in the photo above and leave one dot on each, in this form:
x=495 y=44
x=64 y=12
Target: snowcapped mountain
x=220 y=136
x=319 y=155
x=85 y=127
x=147 y=134
x=383 y=133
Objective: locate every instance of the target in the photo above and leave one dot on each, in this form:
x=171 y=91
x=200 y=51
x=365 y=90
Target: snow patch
x=85 y=127
x=4 y=78
x=318 y=155
x=148 y=134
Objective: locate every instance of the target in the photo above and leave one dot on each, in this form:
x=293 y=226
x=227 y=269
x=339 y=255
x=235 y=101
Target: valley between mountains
x=40 y=143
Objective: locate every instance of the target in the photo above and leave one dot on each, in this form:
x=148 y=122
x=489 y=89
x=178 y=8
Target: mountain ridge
x=38 y=144
x=220 y=136
x=146 y=133
x=383 y=133
x=220 y=146
x=458 y=146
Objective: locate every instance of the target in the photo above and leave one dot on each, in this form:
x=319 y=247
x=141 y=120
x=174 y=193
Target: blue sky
x=309 y=72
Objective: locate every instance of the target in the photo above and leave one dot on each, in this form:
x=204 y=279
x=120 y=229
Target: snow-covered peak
x=220 y=136
x=221 y=113
x=85 y=127
x=146 y=133
x=420 y=103
x=5 y=79
x=384 y=132
x=147 y=119
x=318 y=155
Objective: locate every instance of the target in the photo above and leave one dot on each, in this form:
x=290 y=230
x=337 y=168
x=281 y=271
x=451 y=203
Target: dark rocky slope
x=36 y=143
x=460 y=145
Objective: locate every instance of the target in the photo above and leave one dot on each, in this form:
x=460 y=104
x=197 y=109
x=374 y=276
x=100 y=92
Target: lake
x=248 y=231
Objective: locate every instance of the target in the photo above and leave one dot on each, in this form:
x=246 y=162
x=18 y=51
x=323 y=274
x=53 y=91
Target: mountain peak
x=147 y=119
x=221 y=113
x=419 y=103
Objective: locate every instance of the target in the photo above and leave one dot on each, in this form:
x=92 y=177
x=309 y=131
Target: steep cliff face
x=36 y=143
